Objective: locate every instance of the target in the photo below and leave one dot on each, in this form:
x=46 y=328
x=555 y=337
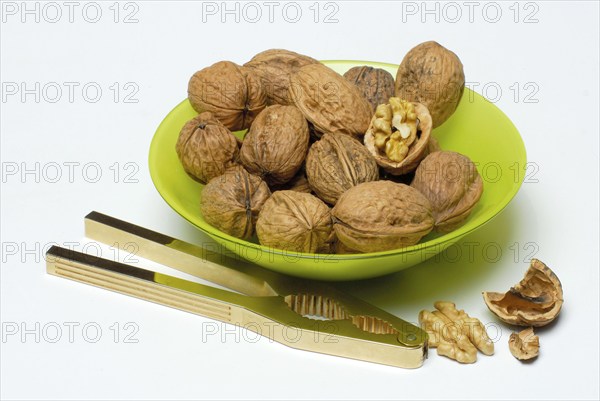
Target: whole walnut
x=274 y=67
x=329 y=101
x=232 y=93
x=453 y=186
x=295 y=221
x=336 y=163
x=231 y=202
x=432 y=75
x=376 y=84
x=381 y=216
x=206 y=148
x=276 y=144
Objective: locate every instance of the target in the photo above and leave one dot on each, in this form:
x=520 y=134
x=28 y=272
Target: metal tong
x=266 y=302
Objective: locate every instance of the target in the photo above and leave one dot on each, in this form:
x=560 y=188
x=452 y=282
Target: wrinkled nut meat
x=232 y=201
x=524 y=345
x=453 y=186
x=376 y=84
x=432 y=75
x=398 y=136
x=454 y=333
x=276 y=144
x=535 y=301
x=232 y=93
x=381 y=215
x=295 y=221
x=206 y=148
x=329 y=101
x=273 y=67
x=337 y=163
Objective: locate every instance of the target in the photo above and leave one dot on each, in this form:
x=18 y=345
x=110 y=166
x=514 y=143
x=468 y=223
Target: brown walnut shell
x=206 y=148
x=380 y=216
x=452 y=184
x=273 y=67
x=337 y=163
x=376 y=84
x=232 y=93
x=329 y=101
x=432 y=75
x=295 y=221
x=417 y=151
x=298 y=183
x=276 y=144
x=232 y=201
x=535 y=301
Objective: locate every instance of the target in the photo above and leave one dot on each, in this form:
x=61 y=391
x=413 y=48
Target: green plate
x=477 y=129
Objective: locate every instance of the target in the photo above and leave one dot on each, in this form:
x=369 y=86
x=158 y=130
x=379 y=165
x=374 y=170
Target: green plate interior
x=477 y=129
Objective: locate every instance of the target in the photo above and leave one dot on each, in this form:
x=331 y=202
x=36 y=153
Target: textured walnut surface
x=376 y=84
x=380 y=216
x=232 y=93
x=453 y=186
x=329 y=101
x=206 y=148
x=432 y=75
x=231 y=202
x=274 y=67
x=295 y=221
x=336 y=163
x=276 y=144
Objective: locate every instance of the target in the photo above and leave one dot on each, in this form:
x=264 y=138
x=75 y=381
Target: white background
x=552 y=47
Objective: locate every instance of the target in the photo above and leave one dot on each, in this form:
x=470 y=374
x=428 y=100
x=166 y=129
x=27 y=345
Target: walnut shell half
x=535 y=301
x=452 y=184
x=417 y=151
x=232 y=93
x=231 y=202
x=329 y=101
x=295 y=221
x=381 y=215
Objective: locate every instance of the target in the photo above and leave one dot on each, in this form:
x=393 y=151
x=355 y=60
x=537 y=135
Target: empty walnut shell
x=276 y=145
x=380 y=216
x=329 y=101
x=432 y=75
x=206 y=148
x=232 y=201
x=295 y=221
x=535 y=301
x=273 y=67
x=417 y=151
x=376 y=84
x=453 y=186
x=337 y=163
x=232 y=93
x=524 y=345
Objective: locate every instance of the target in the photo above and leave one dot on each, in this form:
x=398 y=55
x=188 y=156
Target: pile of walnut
x=326 y=160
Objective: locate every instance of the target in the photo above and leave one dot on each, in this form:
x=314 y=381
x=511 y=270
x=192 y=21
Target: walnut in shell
x=535 y=301
x=231 y=202
x=336 y=163
x=329 y=101
x=381 y=215
x=298 y=183
x=453 y=186
x=206 y=148
x=432 y=75
x=276 y=144
x=399 y=144
x=524 y=345
x=232 y=93
x=295 y=221
x=273 y=67
x=376 y=84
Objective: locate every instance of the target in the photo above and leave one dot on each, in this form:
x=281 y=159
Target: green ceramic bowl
x=477 y=129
